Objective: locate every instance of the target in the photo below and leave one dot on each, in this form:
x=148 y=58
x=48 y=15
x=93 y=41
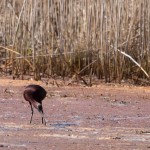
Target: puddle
x=63 y=125
x=120 y=103
x=4 y=128
x=135 y=139
x=11 y=145
x=66 y=136
x=130 y=118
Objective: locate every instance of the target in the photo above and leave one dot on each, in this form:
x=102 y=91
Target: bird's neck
x=35 y=104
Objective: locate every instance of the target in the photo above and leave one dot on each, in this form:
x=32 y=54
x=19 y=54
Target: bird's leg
x=31 y=112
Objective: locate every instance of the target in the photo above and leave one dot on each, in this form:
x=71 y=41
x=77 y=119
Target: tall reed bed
x=108 y=39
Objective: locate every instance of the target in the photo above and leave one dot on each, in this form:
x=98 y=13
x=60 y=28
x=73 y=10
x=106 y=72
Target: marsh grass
x=75 y=38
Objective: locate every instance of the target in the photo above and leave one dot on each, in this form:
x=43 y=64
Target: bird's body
x=35 y=94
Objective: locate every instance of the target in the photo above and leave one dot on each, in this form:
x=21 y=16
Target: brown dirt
x=101 y=117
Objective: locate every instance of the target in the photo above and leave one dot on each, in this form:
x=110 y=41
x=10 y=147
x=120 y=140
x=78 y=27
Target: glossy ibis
x=34 y=94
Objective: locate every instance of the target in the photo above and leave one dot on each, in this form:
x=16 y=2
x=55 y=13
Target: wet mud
x=78 y=118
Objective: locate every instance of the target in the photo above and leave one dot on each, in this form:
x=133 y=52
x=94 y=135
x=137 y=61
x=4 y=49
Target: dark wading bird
x=34 y=94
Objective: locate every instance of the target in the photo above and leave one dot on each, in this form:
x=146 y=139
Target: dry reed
x=106 y=39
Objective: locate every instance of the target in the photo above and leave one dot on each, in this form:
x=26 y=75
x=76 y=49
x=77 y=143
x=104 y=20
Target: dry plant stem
x=16 y=31
x=8 y=49
x=18 y=22
x=133 y=61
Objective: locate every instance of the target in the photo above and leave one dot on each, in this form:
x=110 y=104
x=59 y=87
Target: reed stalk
x=104 y=39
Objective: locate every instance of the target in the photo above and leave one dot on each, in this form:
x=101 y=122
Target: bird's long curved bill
x=43 y=118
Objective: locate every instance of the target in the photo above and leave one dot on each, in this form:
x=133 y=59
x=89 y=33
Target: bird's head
x=40 y=108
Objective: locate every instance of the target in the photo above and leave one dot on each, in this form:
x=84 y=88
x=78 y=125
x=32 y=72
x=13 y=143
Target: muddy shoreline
x=78 y=117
